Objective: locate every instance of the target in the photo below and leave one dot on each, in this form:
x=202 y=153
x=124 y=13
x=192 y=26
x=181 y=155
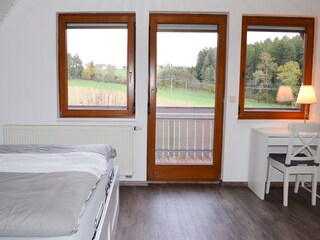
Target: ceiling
x=5 y=8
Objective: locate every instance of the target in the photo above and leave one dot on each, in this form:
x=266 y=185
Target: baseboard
x=134 y=183
x=226 y=184
x=183 y=182
x=234 y=184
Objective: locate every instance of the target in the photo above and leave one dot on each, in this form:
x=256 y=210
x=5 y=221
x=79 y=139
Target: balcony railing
x=184 y=136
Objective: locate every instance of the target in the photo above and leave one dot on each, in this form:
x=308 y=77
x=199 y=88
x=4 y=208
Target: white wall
x=28 y=66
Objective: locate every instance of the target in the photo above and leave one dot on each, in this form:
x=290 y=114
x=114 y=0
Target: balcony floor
x=169 y=160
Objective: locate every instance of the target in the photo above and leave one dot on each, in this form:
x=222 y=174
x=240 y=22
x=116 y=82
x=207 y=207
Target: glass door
x=184 y=143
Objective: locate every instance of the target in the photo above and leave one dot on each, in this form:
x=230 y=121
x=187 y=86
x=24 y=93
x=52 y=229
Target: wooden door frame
x=182 y=172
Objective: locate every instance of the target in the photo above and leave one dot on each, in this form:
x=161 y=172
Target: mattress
x=93 y=206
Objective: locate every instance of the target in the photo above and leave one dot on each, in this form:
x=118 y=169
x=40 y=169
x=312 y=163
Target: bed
x=58 y=192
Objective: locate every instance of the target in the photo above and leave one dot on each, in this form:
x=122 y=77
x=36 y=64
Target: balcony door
x=186 y=92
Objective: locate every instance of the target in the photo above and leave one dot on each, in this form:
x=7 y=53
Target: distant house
x=100 y=66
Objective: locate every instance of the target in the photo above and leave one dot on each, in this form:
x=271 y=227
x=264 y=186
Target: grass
x=97 y=85
x=249 y=103
x=176 y=97
x=121 y=73
x=190 y=98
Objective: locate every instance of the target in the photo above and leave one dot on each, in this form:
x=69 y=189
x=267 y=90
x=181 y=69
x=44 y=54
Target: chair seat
x=281 y=158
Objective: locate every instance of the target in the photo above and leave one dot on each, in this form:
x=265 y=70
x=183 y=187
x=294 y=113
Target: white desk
x=264 y=141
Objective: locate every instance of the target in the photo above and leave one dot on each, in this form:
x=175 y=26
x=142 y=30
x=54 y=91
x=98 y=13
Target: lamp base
x=305 y=114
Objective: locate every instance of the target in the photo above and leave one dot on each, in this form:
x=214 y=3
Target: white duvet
x=53 y=176
x=46 y=198
x=93 y=163
x=43 y=204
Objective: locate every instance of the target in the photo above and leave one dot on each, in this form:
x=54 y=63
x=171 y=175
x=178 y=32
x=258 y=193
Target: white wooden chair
x=302 y=158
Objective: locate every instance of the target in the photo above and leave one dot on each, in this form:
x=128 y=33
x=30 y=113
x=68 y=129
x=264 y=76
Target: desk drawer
x=277 y=141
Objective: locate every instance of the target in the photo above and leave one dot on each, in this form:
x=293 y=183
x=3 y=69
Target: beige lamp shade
x=284 y=94
x=306 y=95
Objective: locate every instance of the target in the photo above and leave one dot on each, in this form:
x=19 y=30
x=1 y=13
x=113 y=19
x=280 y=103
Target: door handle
x=152 y=94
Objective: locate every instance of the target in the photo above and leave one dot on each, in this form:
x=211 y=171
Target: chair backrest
x=304 y=143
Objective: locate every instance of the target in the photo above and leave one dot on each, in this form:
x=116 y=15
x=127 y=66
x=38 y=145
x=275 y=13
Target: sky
x=176 y=48
x=181 y=48
x=253 y=37
x=99 y=46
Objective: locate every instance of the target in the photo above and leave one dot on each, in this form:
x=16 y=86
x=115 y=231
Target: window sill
x=98 y=120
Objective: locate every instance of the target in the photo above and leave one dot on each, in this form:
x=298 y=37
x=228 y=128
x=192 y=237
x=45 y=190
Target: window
x=96 y=65
x=276 y=59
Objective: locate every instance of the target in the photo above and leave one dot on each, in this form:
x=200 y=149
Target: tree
x=290 y=74
x=209 y=75
x=285 y=51
x=298 y=43
x=110 y=74
x=89 y=72
x=69 y=58
x=75 y=66
x=264 y=76
x=206 y=62
x=209 y=66
x=201 y=56
x=253 y=58
x=177 y=76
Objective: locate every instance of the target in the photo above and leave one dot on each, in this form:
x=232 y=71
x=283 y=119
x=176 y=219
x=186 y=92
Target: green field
x=120 y=73
x=174 y=97
x=192 y=98
x=97 y=85
x=254 y=104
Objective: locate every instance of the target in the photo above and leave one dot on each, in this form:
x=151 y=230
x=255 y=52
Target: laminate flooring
x=209 y=212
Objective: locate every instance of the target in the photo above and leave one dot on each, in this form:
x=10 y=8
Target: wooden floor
x=209 y=212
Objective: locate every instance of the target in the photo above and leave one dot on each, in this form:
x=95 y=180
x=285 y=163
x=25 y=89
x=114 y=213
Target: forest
x=270 y=64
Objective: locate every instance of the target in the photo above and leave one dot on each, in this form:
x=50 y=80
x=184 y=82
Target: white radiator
x=120 y=137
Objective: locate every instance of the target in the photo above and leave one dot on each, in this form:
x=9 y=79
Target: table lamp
x=306 y=96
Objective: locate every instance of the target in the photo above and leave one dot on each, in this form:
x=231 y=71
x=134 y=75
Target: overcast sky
x=99 y=46
x=182 y=49
x=253 y=37
x=176 y=48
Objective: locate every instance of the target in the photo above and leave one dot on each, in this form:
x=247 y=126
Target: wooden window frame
x=67 y=18
x=308 y=24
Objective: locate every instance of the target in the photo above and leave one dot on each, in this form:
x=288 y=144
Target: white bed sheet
x=86 y=227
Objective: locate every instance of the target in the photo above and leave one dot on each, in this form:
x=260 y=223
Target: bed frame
x=107 y=226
